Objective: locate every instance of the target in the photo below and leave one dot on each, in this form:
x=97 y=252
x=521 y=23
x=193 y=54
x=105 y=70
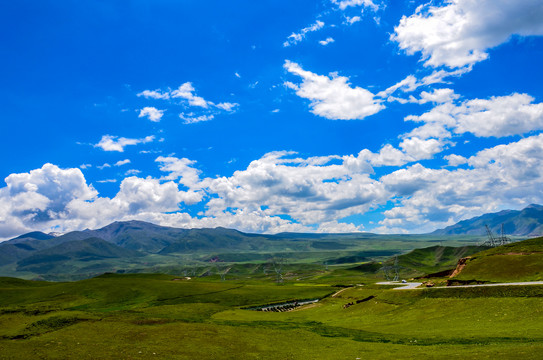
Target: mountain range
x=527 y=222
x=140 y=246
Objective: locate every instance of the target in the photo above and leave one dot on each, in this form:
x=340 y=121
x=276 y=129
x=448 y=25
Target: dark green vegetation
x=527 y=223
x=137 y=316
x=139 y=247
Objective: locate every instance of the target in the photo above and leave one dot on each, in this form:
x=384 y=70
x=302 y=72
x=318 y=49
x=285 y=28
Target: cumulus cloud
x=496 y=180
x=284 y=192
x=181 y=170
x=460 y=32
x=499 y=116
x=39 y=196
x=419 y=149
x=115 y=143
x=455 y=160
x=151 y=113
x=295 y=38
x=333 y=97
x=51 y=197
x=311 y=190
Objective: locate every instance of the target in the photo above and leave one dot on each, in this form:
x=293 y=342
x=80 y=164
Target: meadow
x=139 y=316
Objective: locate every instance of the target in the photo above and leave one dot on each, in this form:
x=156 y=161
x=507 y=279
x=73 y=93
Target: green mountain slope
x=53 y=259
x=520 y=261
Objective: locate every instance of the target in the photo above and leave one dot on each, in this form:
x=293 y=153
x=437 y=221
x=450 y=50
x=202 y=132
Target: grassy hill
x=519 y=261
x=433 y=259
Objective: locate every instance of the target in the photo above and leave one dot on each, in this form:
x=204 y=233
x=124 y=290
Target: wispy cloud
x=295 y=38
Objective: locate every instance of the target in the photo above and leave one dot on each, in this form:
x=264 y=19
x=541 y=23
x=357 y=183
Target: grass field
x=138 y=316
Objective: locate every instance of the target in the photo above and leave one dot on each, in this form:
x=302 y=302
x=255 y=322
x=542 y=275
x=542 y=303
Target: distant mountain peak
x=38 y=235
x=526 y=222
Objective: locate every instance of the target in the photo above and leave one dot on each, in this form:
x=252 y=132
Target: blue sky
x=269 y=116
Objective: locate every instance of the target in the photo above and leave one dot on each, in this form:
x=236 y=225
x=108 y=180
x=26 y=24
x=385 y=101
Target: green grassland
x=195 y=313
x=137 y=316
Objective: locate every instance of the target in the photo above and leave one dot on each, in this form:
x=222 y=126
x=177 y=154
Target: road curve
x=404 y=286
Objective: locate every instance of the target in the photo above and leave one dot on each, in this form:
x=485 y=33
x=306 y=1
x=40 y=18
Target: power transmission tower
x=394 y=268
x=494 y=241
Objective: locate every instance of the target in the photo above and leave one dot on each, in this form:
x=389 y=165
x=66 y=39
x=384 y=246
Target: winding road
x=415 y=285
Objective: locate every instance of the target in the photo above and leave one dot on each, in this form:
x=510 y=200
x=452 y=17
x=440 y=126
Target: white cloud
x=333 y=97
x=295 y=38
x=132 y=172
x=420 y=149
x=455 y=160
x=115 y=143
x=311 y=190
x=122 y=162
x=85 y=166
x=460 y=32
x=186 y=91
x=327 y=41
x=343 y=4
x=334 y=227
x=496 y=180
x=192 y=119
x=155 y=94
x=180 y=169
x=352 y=20
x=152 y=113
x=102 y=167
x=305 y=192
x=227 y=106
x=438 y=96
x=501 y=116
x=411 y=83
x=51 y=197
x=106 y=181
x=39 y=196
